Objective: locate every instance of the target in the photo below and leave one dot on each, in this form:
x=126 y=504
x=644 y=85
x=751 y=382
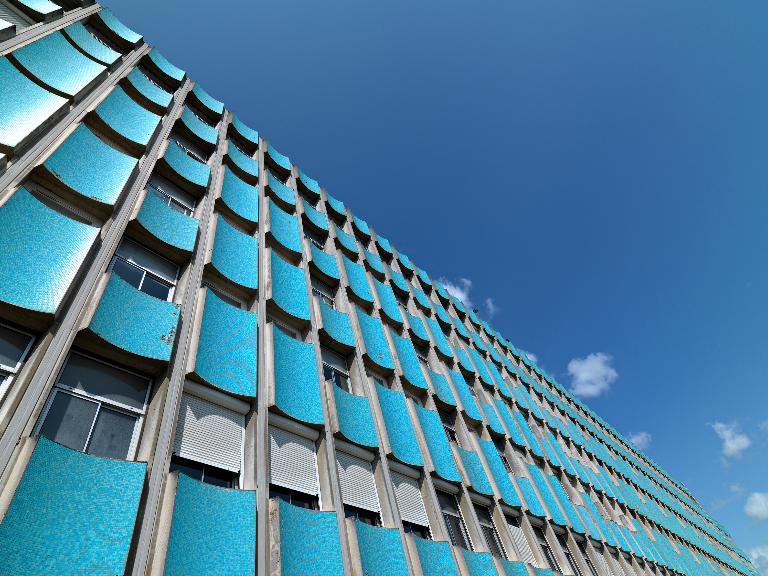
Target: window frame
x=168 y=199
x=335 y=370
x=8 y=373
x=154 y=275
x=490 y=525
x=464 y=533
x=317 y=287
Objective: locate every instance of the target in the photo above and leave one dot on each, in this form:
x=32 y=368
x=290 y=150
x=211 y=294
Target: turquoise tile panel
x=128 y=118
x=280 y=159
x=418 y=330
x=324 y=262
x=118 y=28
x=543 y=571
x=589 y=524
x=213 y=531
x=284 y=227
x=442 y=292
x=150 y=91
x=199 y=128
x=166 y=67
x=424 y=277
x=439 y=338
x=442 y=388
x=478 y=342
x=336 y=325
x=389 y=306
x=513 y=568
x=226 y=349
x=361 y=226
x=464 y=360
x=193 y=171
x=398 y=280
x=90 y=167
x=530 y=439
x=477 y=477
x=492 y=418
x=375 y=342
x=405 y=262
x=460 y=328
x=509 y=421
x=473 y=318
x=41 y=9
x=482 y=369
x=346 y=240
x=499 y=473
x=235 y=255
x=245 y=131
x=310 y=184
x=57 y=64
x=207 y=100
x=314 y=215
x=76 y=521
x=437 y=444
x=421 y=298
x=24 y=106
x=289 y=288
x=166 y=224
x=465 y=395
x=41 y=251
x=384 y=245
x=335 y=205
x=87 y=42
x=297 y=391
x=281 y=191
x=355 y=419
x=479 y=563
x=546 y=494
x=441 y=314
x=435 y=557
x=409 y=361
x=570 y=511
x=240 y=197
x=381 y=550
x=357 y=279
x=309 y=542
x=500 y=383
x=531 y=500
x=374 y=262
x=458 y=305
x=402 y=438
x=134 y=321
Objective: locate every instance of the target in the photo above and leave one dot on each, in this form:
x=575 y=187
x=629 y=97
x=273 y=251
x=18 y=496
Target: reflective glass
x=106 y=381
x=112 y=434
x=69 y=420
x=12 y=346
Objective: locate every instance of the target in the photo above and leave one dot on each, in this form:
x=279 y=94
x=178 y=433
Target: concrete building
x=210 y=365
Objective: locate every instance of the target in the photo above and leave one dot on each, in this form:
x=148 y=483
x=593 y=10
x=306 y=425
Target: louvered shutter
x=409 y=500
x=603 y=563
x=357 y=485
x=521 y=544
x=13 y=17
x=209 y=434
x=292 y=461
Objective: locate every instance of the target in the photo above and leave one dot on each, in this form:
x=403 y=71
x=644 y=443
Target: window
x=200 y=116
x=314 y=237
x=14 y=347
x=96 y=408
x=500 y=445
x=358 y=488
x=448 y=421
x=446 y=330
x=524 y=551
x=171 y=195
x=335 y=369
x=418 y=400
x=154 y=79
x=488 y=529
x=546 y=549
x=208 y=444
x=563 y=540
x=454 y=522
x=423 y=353
x=284 y=327
x=410 y=504
x=192 y=150
x=323 y=291
x=402 y=298
x=293 y=468
x=221 y=294
x=145 y=270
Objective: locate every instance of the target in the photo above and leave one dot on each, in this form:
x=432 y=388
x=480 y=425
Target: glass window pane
x=155 y=288
x=12 y=346
x=455 y=531
x=106 y=381
x=112 y=434
x=334 y=359
x=191 y=469
x=148 y=260
x=128 y=272
x=219 y=477
x=69 y=420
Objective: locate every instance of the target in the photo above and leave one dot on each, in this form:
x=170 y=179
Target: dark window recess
x=204 y=473
x=454 y=523
x=365 y=516
x=448 y=425
x=422 y=352
x=335 y=369
x=546 y=550
x=500 y=445
x=489 y=532
x=417 y=529
x=294 y=497
x=314 y=237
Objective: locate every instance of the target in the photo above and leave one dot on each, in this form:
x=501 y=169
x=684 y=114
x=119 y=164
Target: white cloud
x=756 y=506
x=759 y=557
x=734 y=442
x=533 y=357
x=491 y=307
x=641 y=439
x=459 y=289
x=593 y=375
x=764 y=426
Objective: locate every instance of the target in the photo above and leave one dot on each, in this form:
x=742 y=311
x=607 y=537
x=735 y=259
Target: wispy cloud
x=759 y=557
x=593 y=375
x=764 y=426
x=533 y=357
x=491 y=307
x=756 y=506
x=735 y=492
x=641 y=439
x=734 y=442
x=459 y=289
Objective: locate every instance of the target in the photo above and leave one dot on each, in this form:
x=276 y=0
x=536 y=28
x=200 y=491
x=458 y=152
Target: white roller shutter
x=209 y=434
x=521 y=544
x=357 y=484
x=292 y=461
x=409 y=500
x=603 y=563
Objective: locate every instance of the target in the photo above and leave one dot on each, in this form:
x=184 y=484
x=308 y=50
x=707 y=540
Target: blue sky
x=598 y=169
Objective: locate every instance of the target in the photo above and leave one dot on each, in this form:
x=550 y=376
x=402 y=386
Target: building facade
x=210 y=365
